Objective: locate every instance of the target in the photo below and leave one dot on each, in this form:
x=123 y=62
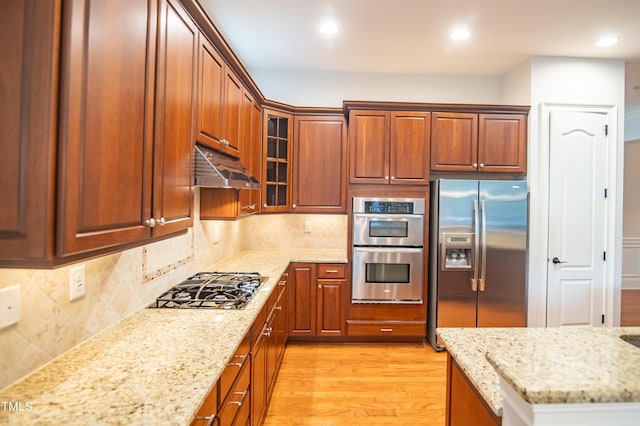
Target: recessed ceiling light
x=460 y=34
x=607 y=41
x=329 y=28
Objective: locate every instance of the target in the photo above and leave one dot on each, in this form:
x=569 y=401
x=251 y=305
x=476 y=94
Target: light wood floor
x=359 y=384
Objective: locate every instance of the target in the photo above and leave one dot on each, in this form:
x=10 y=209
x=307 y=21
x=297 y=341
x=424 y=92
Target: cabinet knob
x=481 y=164
x=162 y=222
x=475 y=164
x=319 y=285
x=265 y=205
x=150 y=222
x=294 y=206
x=393 y=178
x=386 y=178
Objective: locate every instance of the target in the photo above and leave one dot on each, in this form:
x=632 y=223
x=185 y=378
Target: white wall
x=329 y=89
x=572 y=81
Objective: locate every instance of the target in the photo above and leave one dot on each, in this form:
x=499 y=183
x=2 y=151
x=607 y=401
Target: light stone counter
x=156 y=366
x=548 y=365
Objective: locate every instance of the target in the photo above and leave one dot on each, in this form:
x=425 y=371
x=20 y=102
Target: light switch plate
x=9 y=306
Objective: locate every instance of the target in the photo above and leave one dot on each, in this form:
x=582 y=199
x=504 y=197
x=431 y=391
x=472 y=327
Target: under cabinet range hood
x=213 y=169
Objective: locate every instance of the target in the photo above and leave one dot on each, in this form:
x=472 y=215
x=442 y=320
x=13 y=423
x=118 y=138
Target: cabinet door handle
x=331 y=271
x=481 y=164
x=386 y=330
x=386 y=178
x=294 y=206
x=475 y=165
x=393 y=178
x=150 y=222
x=211 y=419
x=162 y=221
x=239 y=403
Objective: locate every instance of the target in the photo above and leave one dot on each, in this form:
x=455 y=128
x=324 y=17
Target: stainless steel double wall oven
x=388 y=250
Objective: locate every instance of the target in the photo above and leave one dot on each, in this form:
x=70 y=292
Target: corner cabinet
x=389 y=147
x=276 y=173
x=470 y=142
x=320 y=164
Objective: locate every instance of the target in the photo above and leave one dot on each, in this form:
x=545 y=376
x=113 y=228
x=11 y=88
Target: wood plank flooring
x=359 y=384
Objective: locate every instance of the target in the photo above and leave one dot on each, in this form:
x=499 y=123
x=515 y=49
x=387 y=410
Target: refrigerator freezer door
x=456 y=298
x=502 y=295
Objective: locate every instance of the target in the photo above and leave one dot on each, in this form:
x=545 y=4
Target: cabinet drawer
x=233 y=368
x=237 y=400
x=331 y=270
x=386 y=328
x=209 y=408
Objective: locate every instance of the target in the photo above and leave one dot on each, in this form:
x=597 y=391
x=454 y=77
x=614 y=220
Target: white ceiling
x=412 y=36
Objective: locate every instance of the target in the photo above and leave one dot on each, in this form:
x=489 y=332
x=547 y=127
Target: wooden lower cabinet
x=269 y=336
x=316 y=300
x=464 y=405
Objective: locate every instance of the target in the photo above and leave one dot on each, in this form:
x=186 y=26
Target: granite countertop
x=549 y=365
x=154 y=367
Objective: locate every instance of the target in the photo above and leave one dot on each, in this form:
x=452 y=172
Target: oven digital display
x=388 y=228
x=383 y=273
x=389 y=207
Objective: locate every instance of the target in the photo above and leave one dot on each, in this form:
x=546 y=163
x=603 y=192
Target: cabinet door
x=259 y=380
x=29 y=39
x=502 y=143
x=302 y=300
x=248 y=147
x=454 y=142
x=175 y=127
x=232 y=113
x=331 y=320
x=410 y=147
x=212 y=69
x=320 y=165
x=106 y=123
x=464 y=404
x=369 y=146
x=276 y=173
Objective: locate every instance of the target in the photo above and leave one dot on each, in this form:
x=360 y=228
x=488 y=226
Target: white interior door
x=577 y=203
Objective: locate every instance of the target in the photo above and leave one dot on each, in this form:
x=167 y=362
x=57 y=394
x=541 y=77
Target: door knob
x=555 y=260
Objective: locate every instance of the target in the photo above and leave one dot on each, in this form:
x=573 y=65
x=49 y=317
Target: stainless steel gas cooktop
x=213 y=290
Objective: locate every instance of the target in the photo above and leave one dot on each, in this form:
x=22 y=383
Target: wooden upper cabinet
x=175 y=119
x=389 y=147
x=250 y=152
x=276 y=168
x=369 y=146
x=410 y=147
x=320 y=164
x=502 y=143
x=220 y=102
x=29 y=48
x=469 y=142
x=106 y=123
x=211 y=89
x=454 y=141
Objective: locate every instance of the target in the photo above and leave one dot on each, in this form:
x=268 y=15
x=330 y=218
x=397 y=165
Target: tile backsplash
x=122 y=283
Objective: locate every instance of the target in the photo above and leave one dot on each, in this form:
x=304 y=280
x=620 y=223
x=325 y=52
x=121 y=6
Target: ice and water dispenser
x=456 y=251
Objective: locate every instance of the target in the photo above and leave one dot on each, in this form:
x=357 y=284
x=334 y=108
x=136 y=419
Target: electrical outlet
x=77 y=284
x=216 y=235
x=307 y=226
x=9 y=306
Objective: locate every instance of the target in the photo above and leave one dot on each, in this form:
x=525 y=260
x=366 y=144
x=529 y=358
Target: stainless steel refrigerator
x=478 y=254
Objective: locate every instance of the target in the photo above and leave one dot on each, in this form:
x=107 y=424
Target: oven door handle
x=388 y=249
x=389 y=217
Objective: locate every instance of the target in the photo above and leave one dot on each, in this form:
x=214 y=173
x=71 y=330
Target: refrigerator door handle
x=483 y=269
x=476 y=251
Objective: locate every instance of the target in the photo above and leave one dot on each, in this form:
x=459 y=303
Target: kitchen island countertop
x=548 y=365
x=154 y=367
